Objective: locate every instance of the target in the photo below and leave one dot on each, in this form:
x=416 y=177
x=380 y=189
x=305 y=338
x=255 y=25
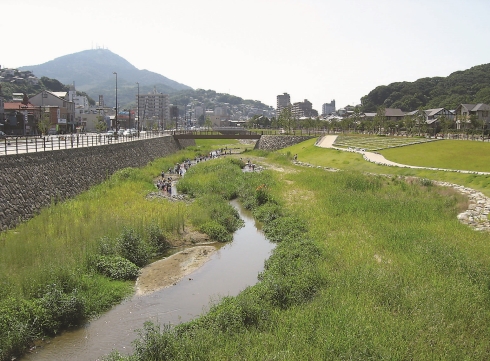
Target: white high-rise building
x=328 y=108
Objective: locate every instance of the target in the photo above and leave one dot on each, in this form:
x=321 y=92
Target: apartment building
x=154 y=106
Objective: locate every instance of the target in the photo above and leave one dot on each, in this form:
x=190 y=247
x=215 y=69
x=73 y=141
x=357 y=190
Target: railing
x=22 y=145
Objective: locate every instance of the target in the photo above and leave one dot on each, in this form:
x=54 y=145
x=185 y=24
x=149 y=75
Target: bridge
x=217 y=133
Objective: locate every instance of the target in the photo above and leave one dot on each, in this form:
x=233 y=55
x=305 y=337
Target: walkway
x=329 y=140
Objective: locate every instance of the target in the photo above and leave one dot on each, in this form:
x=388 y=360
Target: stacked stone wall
x=30 y=182
x=276 y=142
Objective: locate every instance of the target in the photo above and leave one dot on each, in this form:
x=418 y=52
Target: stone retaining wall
x=30 y=182
x=276 y=142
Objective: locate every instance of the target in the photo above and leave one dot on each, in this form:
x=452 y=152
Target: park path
x=329 y=140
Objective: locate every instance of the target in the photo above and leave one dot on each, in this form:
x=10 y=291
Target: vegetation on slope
x=461 y=87
x=77 y=258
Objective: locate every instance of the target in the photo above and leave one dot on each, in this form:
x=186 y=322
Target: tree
x=380 y=118
x=409 y=123
x=207 y=123
x=477 y=124
x=44 y=123
x=286 y=119
x=445 y=124
x=420 y=119
x=100 y=126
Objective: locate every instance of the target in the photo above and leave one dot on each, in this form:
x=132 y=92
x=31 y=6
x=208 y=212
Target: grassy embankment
x=367 y=267
x=79 y=257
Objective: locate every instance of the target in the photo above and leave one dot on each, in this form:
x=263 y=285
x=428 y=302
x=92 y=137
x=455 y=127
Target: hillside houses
x=17 y=77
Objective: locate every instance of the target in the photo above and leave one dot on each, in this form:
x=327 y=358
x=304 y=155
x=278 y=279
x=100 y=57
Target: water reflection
x=230 y=270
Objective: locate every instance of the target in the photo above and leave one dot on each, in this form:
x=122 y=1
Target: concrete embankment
x=30 y=182
x=276 y=142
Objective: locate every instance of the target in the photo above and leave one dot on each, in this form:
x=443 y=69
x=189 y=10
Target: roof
x=431 y=112
x=394 y=112
x=481 y=106
x=59 y=94
x=18 y=106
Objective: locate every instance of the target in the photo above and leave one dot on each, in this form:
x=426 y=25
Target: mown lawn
x=449 y=154
x=309 y=153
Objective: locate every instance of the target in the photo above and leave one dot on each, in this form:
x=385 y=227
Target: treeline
x=462 y=87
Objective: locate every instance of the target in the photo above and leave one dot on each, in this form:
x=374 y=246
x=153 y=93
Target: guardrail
x=34 y=144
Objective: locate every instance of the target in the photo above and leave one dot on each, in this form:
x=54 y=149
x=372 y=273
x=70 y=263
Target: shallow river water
x=230 y=270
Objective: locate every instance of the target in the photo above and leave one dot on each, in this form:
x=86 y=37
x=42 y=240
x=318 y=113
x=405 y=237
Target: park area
x=371 y=262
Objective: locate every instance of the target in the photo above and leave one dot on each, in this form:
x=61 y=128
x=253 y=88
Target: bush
x=156 y=238
x=284 y=229
x=59 y=310
x=268 y=212
x=116 y=268
x=132 y=247
x=216 y=231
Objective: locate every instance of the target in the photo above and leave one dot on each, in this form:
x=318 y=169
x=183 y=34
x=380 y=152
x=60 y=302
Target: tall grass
x=53 y=267
x=383 y=271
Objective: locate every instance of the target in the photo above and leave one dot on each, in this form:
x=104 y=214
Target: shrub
x=116 y=268
x=216 y=231
x=268 y=212
x=284 y=229
x=156 y=238
x=132 y=247
x=59 y=309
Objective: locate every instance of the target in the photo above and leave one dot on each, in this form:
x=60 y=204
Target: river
x=230 y=270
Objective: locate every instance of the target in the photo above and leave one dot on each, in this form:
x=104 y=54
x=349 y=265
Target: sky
x=318 y=50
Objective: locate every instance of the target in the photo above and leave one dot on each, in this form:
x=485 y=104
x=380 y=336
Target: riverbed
x=229 y=270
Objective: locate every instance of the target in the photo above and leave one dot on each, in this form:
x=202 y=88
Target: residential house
x=61 y=110
x=464 y=112
x=20 y=118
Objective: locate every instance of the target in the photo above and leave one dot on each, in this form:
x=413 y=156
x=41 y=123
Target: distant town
x=69 y=112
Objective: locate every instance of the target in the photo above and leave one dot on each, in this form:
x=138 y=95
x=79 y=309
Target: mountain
x=92 y=71
x=469 y=86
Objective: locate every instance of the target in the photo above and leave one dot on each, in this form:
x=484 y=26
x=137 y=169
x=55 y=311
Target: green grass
x=308 y=153
x=50 y=265
x=449 y=154
x=374 y=143
x=390 y=273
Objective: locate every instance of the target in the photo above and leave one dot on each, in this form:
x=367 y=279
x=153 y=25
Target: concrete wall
x=276 y=142
x=29 y=182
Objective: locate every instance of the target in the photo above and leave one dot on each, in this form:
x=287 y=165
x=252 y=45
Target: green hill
x=461 y=87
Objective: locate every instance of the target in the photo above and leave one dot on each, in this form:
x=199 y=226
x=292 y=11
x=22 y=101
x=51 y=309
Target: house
x=20 y=118
x=432 y=115
x=464 y=112
x=64 y=118
x=393 y=114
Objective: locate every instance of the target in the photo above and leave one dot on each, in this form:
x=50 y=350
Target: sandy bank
x=170 y=270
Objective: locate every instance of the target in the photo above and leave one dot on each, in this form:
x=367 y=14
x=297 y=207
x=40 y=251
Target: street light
x=116 y=98
x=138 y=107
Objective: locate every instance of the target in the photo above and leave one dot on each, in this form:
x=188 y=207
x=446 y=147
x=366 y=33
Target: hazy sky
x=256 y=49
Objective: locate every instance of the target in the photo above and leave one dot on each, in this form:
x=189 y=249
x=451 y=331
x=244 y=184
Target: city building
x=328 y=108
x=154 y=110
x=303 y=109
x=283 y=101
